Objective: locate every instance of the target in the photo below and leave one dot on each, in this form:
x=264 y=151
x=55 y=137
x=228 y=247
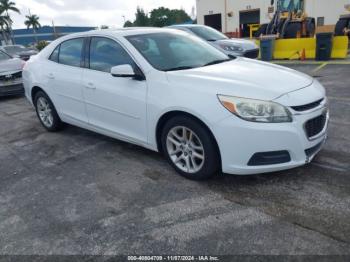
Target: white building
x=230 y=16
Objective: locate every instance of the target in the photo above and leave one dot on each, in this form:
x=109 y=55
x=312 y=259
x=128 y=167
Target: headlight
x=256 y=110
x=232 y=48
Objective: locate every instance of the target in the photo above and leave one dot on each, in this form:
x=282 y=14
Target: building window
x=320 y=21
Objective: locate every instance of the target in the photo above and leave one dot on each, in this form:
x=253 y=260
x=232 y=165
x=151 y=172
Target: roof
x=123 y=31
x=186 y=25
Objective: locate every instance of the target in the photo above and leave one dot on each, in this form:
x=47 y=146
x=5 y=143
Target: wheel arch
x=35 y=90
x=170 y=114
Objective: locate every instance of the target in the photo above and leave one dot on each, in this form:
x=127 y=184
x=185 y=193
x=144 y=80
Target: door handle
x=51 y=76
x=90 y=86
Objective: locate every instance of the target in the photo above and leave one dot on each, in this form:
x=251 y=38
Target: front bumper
x=240 y=140
x=253 y=54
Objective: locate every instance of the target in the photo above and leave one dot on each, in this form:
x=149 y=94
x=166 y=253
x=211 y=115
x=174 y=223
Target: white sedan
x=174 y=93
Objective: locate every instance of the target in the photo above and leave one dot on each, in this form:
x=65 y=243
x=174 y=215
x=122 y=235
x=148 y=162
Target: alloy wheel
x=185 y=149
x=45 y=112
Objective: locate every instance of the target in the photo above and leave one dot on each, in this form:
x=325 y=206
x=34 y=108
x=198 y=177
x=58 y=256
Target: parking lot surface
x=77 y=192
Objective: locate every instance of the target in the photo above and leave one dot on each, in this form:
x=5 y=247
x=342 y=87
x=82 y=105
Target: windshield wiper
x=217 y=62
x=179 y=68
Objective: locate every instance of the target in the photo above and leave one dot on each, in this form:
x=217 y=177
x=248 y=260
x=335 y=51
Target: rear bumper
x=11 y=90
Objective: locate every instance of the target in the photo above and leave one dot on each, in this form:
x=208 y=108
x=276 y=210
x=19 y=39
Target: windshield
x=4 y=56
x=15 y=49
x=208 y=33
x=170 y=51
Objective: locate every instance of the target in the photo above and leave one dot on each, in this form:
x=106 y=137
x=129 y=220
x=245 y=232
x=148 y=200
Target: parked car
x=230 y=46
x=10 y=75
x=19 y=51
x=172 y=92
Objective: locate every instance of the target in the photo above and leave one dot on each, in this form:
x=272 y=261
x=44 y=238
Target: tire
x=46 y=110
x=195 y=168
x=292 y=30
x=340 y=26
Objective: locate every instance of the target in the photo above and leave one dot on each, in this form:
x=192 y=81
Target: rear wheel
x=190 y=148
x=46 y=112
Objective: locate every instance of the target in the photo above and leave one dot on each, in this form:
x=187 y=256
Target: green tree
x=159 y=17
x=142 y=18
x=33 y=22
x=5 y=21
x=7 y=6
x=179 y=16
x=128 y=24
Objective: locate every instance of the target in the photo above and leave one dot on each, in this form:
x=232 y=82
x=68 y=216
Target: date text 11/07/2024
x=173 y=258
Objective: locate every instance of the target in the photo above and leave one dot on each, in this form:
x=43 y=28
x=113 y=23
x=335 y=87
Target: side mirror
x=127 y=71
x=122 y=71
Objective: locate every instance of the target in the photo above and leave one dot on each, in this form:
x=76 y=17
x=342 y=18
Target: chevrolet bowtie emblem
x=8 y=76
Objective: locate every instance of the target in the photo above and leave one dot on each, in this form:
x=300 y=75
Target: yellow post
x=253 y=28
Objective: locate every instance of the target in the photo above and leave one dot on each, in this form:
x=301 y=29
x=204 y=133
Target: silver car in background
x=10 y=75
x=19 y=51
x=230 y=46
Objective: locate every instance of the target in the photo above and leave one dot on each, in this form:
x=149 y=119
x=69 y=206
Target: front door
x=115 y=104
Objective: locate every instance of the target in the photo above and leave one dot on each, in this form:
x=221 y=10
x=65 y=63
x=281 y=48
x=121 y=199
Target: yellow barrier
x=340 y=47
x=292 y=48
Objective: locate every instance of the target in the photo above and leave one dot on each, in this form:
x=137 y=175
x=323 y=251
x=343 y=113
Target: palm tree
x=5 y=21
x=33 y=21
x=6 y=6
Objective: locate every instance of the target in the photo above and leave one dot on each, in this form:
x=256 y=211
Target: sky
x=90 y=12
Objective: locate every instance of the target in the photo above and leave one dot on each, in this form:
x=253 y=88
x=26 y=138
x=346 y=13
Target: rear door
x=64 y=72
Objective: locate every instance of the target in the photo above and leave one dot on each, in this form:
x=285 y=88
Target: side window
x=106 y=53
x=54 y=56
x=70 y=52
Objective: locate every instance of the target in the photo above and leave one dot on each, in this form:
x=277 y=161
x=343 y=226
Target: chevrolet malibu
x=174 y=93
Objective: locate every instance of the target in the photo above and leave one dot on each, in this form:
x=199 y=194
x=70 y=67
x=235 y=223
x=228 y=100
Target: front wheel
x=190 y=148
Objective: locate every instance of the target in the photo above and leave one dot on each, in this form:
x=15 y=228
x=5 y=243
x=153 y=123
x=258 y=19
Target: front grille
x=13 y=76
x=252 y=54
x=307 y=106
x=315 y=126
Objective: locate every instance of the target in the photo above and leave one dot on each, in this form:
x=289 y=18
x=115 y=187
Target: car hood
x=243 y=78
x=245 y=44
x=10 y=65
x=29 y=52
